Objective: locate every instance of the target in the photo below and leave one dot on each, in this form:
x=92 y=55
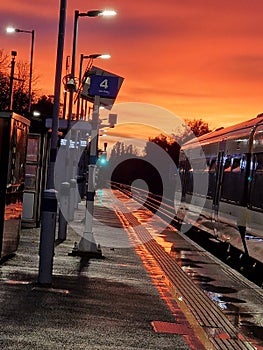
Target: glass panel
x=31 y=176
x=213 y=166
x=234 y=178
x=258 y=139
x=227 y=163
x=17 y=157
x=259 y=162
x=256 y=194
x=236 y=165
x=32 y=149
x=257 y=191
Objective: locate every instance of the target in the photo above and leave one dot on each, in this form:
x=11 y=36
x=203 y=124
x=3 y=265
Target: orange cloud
x=197 y=59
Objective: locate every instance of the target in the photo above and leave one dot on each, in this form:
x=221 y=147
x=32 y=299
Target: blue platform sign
x=104 y=86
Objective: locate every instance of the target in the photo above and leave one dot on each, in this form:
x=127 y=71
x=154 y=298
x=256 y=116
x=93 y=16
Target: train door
x=217 y=190
x=256 y=176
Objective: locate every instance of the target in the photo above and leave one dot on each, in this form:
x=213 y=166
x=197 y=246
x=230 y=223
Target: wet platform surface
x=140 y=296
x=239 y=300
x=101 y=304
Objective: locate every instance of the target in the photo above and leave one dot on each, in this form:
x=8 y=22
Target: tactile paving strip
x=197 y=302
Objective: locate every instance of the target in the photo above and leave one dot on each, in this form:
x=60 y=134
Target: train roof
x=234 y=131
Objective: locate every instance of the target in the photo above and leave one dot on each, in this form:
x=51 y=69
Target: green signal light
x=103 y=159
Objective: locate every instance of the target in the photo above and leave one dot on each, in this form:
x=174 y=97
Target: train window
x=234 y=178
x=227 y=164
x=258 y=139
x=213 y=166
x=256 y=194
x=212 y=178
x=236 y=165
x=188 y=165
x=259 y=162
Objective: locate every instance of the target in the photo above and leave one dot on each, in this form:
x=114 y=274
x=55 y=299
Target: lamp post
x=32 y=32
x=10 y=97
x=90 y=58
x=49 y=207
x=71 y=82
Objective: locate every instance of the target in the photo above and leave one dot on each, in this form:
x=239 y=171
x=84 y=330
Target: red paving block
x=169 y=327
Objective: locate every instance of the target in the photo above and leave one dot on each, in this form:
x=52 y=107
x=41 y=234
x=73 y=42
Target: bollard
x=77 y=196
x=47 y=237
x=72 y=197
x=63 y=210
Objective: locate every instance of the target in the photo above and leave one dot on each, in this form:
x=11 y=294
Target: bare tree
x=20 y=87
x=4 y=63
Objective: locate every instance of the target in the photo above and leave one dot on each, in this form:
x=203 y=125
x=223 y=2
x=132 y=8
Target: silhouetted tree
x=198 y=127
x=4 y=91
x=44 y=105
x=20 y=85
x=156 y=169
x=20 y=101
x=191 y=128
x=121 y=154
x=122 y=150
x=167 y=143
x=4 y=63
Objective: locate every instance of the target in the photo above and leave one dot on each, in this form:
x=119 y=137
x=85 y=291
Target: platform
x=113 y=303
x=109 y=303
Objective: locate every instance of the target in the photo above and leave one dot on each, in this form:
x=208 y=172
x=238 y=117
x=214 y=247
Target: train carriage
x=229 y=163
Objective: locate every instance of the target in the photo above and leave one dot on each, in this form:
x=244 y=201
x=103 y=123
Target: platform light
x=10 y=30
x=109 y=13
x=105 y=56
x=32 y=33
x=91 y=13
x=95 y=13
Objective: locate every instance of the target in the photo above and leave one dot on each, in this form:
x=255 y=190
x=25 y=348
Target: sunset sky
x=195 y=58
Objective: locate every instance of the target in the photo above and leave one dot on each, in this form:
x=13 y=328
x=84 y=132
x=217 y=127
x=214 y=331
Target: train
x=221 y=185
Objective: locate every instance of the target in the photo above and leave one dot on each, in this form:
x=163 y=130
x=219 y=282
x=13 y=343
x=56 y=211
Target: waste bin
x=13 y=143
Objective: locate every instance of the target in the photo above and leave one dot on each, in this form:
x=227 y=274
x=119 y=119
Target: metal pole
x=55 y=114
x=47 y=237
x=65 y=91
x=49 y=207
x=64 y=105
x=80 y=76
x=71 y=166
x=73 y=59
x=10 y=97
x=31 y=70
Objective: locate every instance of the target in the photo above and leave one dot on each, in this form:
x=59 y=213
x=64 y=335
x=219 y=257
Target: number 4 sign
x=103 y=86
